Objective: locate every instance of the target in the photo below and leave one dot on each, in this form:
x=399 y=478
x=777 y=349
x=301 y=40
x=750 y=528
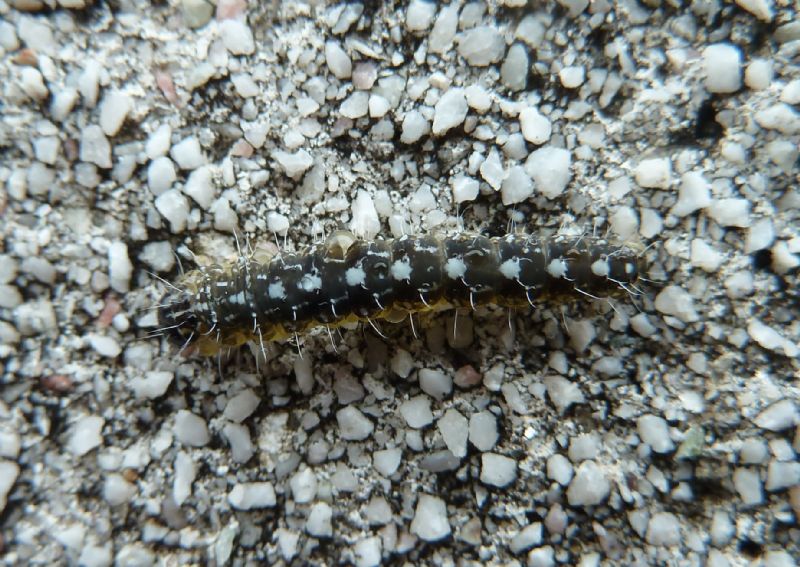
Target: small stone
x=355 y=106
x=188 y=154
x=492 y=170
x=304 y=486
x=117 y=490
x=85 y=435
x=654 y=431
x=559 y=469
x=483 y=432
x=572 y=77
x=387 y=461
x=782 y=475
x=549 y=167
x=32 y=83
x=654 y=173
x=245 y=85
x=663 y=530
x=113 y=110
x=365 y=74
x=583 y=447
x=417 y=412
x=514 y=71
x=780 y=117
x=435 y=383
x=528 y=537
x=153 y=385
x=705 y=257
x=161 y=175
x=353 y=425
x=9 y=472
x=197 y=13
x=761 y=9
x=444 y=29
x=191 y=429
x=241 y=406
x=200 y=186
x=517 y=186
x=676 y=301
x=120 y=268
x=589 y=487
x=779 y=416
x=498 y=470
x=747 y=483
x=758 y=74
x=450 y=111
x=104 y=346
x=430 y=521
x=365 y=223
x=465 y=188
x=367 y=552
x=419 y=15
x=478 y=98
x=238 y=437
x=535 y=127
x=95 y=147
x=415 y=126
x=694 y=194
x=378 y=106
x=252 y=495
x=237 y=37
x=337 y=60
x=319 y=520
x=730 y=212
x=454 y=429
x=294 y=164
x=175 y=208
x=46 y=149
x=481 y=46
x=722 y=64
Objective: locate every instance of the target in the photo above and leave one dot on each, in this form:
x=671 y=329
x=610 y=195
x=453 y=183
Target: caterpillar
x=345 y=279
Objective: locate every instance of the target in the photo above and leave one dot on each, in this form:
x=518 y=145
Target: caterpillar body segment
x=345 y=280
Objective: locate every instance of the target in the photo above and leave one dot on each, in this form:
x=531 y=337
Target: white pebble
x=120 y=268
x=417 y=412
x=153 y=385
x=654 y=173
x=584 y=446
x=200 y=186
x=356 y=105
x=562 y=392
x=158 y=142
x=654 y=431
x=337 y=60
x=758 y=74
x=782 y=475
x=783 y=260
x=779 y=416
x=454 y=429
x=782 y=153
x=722 y=66
x=694 y=194
x=245 y=85
x=444 y=29
x=517 y=186
x=730 y=212
x=34 y=317
x=319 y=520
x=161 y=175
x=465 y=188
x=113 y=110
x=88 y=83
x=760 y=236
x=676 y=301
x=559 y=469
x=663 y=530
x=549 y=167
x=277 y=223
x=387 y=461
x=9 y=444
x=367 y=552
x=104 y=345
x=46 y=149
x=747 y=483
x=481 y=46
x=85 y=435
x=450 y=111
x=63 y=102
x=117 y=490
x=498 y=470
x=174 y=207
x=527 y=537
x=32 y=83
x=187 y=153
x=294 y=164
x=705 y=257
x=739 y=285
x=780 y=117
x=9 y=472
x=435 y=383
x=353 y=425
x=483 y=432
x=651 y=223
x=365 y=223
x=589 y=487
x=419 y=15
x=414 y=127
x=240 y=406
x=492 y=170
x=791 y=92
x=224 y=216
x=761 y=9
x=252 y=495
x=304 y=486
x=430 y=521
x=535 y=127
x=624 y=222
x=191 y=429
x=95 y=147
x=572 y=77
x=378 y=106
x=478 y=98
x=237 y=37
x=514 y=71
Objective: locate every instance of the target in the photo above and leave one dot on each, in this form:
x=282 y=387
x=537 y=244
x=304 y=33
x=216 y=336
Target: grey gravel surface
x=660 y=428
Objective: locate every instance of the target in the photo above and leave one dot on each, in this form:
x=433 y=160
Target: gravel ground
x=660 y=429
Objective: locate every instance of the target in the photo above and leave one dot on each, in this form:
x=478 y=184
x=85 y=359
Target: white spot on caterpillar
x=310 y=282
x=629 y=268
x=557 y=268
x=401 y=269
x=355 y=276
x=276 y=291
x=455 y=268
x=600 y=268
x=510 y=268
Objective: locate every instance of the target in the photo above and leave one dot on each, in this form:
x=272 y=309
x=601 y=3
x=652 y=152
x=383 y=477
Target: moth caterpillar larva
x=346 y=279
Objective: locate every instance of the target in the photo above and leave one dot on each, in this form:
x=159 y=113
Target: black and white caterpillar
x=346 y=279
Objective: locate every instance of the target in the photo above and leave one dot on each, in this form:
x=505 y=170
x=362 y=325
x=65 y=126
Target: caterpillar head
x=176 y=318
